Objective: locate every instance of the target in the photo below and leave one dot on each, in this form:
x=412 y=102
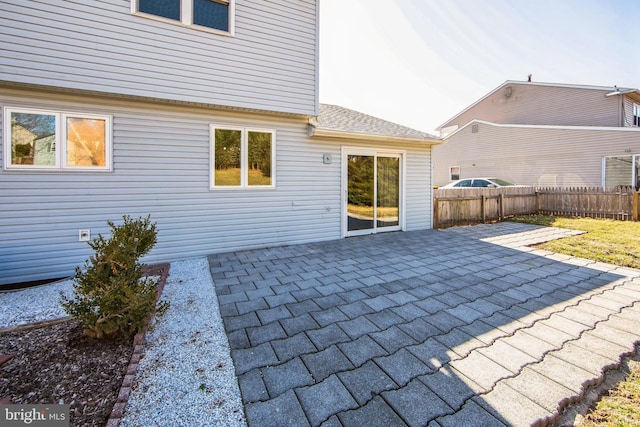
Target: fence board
x=475 y=205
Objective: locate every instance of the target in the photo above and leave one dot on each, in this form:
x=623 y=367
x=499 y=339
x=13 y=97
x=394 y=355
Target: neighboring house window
x=242 y=158
x=54 y=140
x=210 y=14
x=454 y=173
x=621 y=171
x=636 y=115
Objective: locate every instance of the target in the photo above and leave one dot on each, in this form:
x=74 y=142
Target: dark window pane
x=209 y=13
x=165 y=8
x=360 y=189
x=259 y=158
x=388 y=185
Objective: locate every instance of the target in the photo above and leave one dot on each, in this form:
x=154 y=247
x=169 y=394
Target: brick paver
x=466 y=326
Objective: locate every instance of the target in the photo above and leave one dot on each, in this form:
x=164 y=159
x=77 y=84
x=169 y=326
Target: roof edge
x=557 y=127
x=328 y=133
x=518 y=82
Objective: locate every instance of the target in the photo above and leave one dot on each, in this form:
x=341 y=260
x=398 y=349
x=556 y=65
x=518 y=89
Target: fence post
x=482 y=212
x=435 y=212
x=636 y=208
x=501 y=206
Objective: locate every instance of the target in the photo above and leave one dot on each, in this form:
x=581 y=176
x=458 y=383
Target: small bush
x=110 y=296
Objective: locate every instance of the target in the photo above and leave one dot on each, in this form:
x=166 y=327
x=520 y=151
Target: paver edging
x=124 y=392
x=598 y=382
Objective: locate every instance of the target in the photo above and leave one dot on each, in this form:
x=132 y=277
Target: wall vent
x=474 y=128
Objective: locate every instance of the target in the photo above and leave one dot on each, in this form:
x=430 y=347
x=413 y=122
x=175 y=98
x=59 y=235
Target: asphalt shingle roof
x=340 y=119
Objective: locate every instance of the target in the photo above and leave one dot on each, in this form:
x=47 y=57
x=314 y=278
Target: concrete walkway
x=458 y=327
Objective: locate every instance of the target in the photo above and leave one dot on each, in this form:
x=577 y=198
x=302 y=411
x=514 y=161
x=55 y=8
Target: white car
x=478 y=183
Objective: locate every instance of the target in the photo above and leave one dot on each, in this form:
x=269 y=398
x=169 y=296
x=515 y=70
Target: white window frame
x=60 y=141
x=451 y=168
x=635 y=114
x=186 y=16
x=244 y=158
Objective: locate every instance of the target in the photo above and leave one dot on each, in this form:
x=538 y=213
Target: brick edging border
x=117 y=411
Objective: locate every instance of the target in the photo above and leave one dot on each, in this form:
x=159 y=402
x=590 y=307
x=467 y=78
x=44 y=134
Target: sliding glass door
x=372 y=192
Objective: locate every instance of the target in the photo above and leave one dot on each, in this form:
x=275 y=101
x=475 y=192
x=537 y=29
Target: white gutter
x=330 y=133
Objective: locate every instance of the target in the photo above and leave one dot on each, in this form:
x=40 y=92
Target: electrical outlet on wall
x=84 y=235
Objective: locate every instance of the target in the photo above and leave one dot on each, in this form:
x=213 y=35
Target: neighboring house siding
x=530 y=103
x=161 y=167
x=270 y=64
x=533 y=155
x=627 y=117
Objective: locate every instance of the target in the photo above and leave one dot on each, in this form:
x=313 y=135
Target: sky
x=420 y=62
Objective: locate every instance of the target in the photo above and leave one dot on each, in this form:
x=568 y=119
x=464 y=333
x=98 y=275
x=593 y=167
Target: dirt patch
x=56 y=364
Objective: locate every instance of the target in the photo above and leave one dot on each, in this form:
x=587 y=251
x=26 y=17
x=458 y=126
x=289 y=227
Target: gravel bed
x=186 y=376
x=36 y=304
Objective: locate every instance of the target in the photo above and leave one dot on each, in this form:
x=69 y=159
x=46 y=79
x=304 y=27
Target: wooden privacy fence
x=459 y=206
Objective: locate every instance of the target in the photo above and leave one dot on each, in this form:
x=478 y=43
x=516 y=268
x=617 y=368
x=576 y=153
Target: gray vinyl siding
x=269 y=64
x=419 y=189
x=628 y=111
x=533 y=156
x=161 y=167
x=544 y=105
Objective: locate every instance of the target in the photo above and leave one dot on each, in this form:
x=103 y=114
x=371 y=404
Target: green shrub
x=110 y=296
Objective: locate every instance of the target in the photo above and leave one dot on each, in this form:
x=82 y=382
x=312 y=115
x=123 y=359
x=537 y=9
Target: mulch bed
x=54 y=363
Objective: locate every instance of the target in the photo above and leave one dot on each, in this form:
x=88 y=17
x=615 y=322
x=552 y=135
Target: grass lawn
x=621 y=407
x=367 y=211
x=614 y=242
x=231 y=177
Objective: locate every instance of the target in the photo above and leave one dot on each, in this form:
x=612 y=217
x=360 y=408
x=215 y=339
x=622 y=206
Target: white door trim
x=371 y=151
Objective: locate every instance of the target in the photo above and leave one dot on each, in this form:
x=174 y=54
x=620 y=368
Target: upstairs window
x=211 y=14
x=53 y=140
x=636 y=115
x=242 y=158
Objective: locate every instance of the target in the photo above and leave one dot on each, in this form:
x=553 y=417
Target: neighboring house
x=545 y=134
x=203 y=114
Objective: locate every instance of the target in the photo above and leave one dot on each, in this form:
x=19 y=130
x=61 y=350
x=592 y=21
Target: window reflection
x=227 y=157
x=33 y=139
x=360 y=192
x=259 y=154
x=388 y=184
x=86 y=142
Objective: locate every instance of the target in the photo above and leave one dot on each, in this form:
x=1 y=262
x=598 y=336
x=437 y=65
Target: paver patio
x=465 y=326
